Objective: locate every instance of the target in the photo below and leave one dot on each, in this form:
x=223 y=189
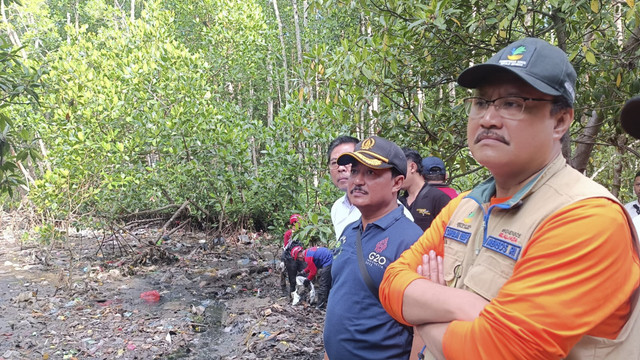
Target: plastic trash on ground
x=150 y=296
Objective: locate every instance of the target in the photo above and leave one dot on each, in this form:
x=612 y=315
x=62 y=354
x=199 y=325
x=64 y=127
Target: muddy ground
x=81 y=299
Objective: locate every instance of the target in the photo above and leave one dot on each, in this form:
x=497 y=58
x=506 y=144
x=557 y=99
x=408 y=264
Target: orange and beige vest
x=483 y=244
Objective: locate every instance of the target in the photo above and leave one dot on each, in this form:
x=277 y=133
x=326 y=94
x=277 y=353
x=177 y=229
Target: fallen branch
x=142 y=221
x=148 y=212
x=175 y=215
x=202 y=210
x=248 y=271
x=178 y=227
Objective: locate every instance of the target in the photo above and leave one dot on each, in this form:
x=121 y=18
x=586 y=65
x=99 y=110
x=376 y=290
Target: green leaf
x=591 y=58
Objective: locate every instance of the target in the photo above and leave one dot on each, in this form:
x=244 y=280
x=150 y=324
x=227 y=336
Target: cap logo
x=368 y=161
x=518 y=56
x=367 y=144
x=516 y=53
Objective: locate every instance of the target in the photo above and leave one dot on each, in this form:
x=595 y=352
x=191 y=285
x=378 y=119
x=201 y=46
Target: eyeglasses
x=333 y=165
x=510 y=107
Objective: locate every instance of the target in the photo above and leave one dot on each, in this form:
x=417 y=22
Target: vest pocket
x=489 y=273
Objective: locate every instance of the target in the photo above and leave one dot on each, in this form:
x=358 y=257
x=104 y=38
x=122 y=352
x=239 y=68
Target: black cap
x=630 y=117
x=540 y=64
x=376 y=153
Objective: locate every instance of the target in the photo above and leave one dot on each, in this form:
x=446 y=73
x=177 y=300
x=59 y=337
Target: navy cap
x=540 y=64
x=376 y=153
x=433 y=165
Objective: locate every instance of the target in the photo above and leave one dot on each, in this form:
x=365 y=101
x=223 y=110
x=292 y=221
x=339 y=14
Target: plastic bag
x=302 y=292
x=150 y=296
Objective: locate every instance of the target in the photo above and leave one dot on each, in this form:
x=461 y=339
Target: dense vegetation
x=110 y=108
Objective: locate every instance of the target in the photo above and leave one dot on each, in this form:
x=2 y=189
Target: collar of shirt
x=384 y=222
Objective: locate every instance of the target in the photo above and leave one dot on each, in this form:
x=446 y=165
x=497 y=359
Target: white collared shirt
x=633 y=208
x=343 y=213
x=636 y=224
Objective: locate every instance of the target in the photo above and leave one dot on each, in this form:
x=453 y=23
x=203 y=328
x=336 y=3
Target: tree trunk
x=75 y=10
x=11 y=33
x=283 y=49
x=298 y=36
x=630 y=48
x=305 y=13
x=587 y=138
x=305 y=21
x=420 y=96
x=43 y=150
x=27 y=177
x=270 y=95
x=69 y=24
x=561 y=35
x=37 y=42
x=133 y=10
x=618 y=166
x=254 y=155
x=304 y=86
x=585 y=142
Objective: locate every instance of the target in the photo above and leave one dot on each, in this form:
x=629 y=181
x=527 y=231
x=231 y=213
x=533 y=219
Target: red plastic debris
x=150 y=296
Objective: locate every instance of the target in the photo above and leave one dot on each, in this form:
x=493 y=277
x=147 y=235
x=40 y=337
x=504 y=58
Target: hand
x=432 y=268
x=306 y=283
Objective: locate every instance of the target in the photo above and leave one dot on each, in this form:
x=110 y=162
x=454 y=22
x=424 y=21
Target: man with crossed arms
x=539 y=261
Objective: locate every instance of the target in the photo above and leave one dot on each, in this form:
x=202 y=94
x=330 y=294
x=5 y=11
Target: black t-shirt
x=426 y=206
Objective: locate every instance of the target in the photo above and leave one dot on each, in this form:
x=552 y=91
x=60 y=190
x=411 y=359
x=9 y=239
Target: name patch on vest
x=457 y=235
x=503 y=247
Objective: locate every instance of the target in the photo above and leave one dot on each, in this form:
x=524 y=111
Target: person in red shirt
x=318 y=260
x=291 y=266
x=293 y=220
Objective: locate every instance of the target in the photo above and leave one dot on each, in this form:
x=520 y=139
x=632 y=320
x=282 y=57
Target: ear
x=397 y=183
x=563 y=120
x=413 y=167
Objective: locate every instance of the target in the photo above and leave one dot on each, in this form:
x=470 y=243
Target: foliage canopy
x=149 y=103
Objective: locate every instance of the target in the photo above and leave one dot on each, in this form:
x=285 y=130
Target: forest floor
x=218 y=299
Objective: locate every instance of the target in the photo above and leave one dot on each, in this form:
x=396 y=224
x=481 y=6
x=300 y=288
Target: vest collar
x=482 y=193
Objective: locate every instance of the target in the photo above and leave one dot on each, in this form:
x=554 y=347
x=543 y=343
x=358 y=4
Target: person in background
x=423 y=200
x=435 y=174
x=356 y=325
x=343 y=212
x=291 y=266
x=538 y=261
x=633 y=207
x=318 y=260
x=630 y=121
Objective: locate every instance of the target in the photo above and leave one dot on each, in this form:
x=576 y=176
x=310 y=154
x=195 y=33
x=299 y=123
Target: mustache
x=357 y=188
x=489 y=134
